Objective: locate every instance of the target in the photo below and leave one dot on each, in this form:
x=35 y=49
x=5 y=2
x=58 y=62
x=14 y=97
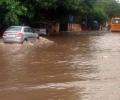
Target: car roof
x=21 y=26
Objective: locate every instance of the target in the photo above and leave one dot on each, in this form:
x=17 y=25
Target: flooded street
x=71 y=67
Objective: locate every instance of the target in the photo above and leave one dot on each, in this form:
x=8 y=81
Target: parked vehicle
x=115 y=25
x=18 y=34
x=41 y=31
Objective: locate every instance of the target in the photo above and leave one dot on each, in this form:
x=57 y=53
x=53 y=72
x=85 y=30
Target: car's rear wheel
x=23 y=41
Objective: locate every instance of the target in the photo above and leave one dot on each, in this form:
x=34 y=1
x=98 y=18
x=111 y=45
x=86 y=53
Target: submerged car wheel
x=38 y=37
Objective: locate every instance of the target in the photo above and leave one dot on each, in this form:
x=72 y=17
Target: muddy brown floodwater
x=71 y=67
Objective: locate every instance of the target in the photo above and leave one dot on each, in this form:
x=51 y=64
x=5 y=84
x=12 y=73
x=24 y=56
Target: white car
x=41 y=31
x=18 y=34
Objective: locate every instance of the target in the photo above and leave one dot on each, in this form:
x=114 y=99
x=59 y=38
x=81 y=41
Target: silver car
x=18 y=34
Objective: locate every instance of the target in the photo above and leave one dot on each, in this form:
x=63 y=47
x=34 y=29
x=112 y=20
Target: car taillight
x=20 y=34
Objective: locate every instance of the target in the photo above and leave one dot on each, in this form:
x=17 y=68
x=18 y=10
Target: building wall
x=55 y=28
x=74 y=27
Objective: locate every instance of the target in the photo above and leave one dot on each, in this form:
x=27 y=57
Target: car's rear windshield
x=16 y=29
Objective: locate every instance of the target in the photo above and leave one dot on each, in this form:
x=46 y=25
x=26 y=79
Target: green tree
x=16 y=11
x=12 y=10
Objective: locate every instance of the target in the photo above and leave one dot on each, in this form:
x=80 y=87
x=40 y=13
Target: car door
x=34 y=35
x=28 y=32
